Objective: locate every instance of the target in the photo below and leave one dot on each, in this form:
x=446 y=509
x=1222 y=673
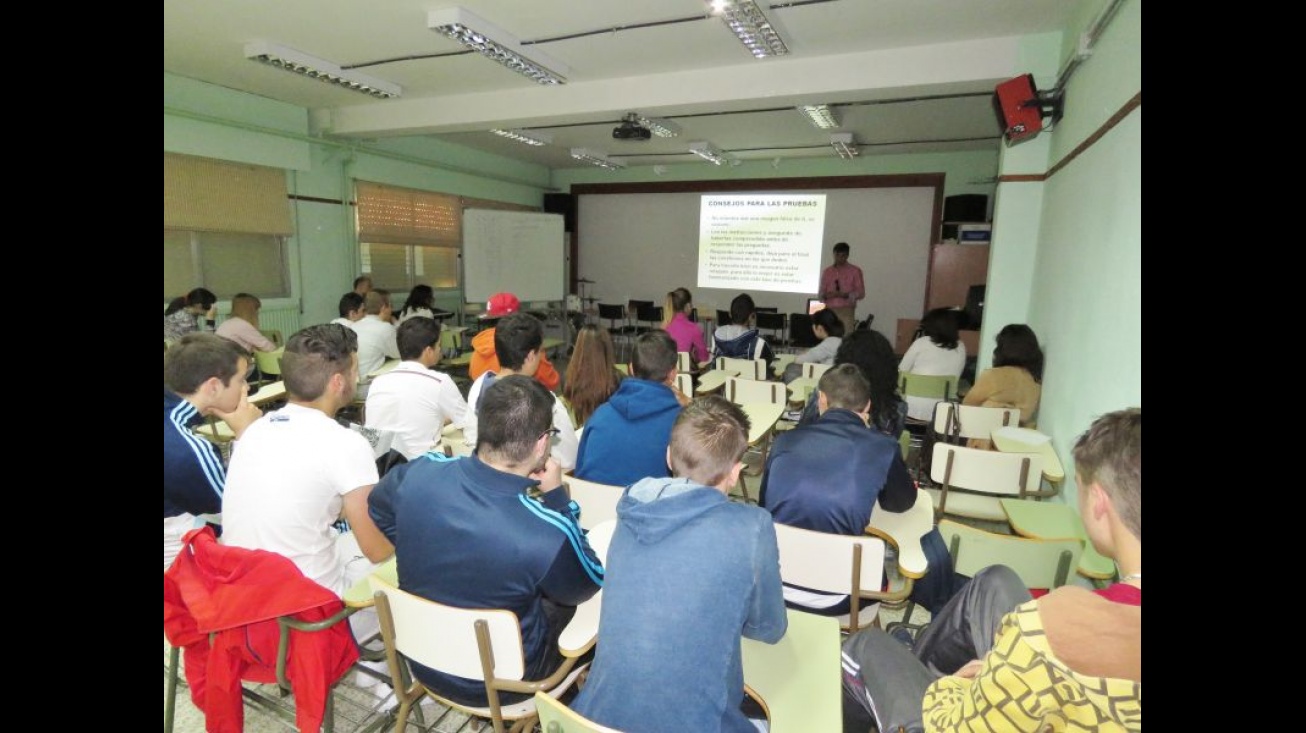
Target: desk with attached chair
x=798 y=680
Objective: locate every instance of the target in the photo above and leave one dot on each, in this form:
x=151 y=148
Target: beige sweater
x=1007 y=387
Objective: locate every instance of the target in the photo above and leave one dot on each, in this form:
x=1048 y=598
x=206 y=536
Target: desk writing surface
x=762 y=416
x=715 y=379
x=800 y=390
x=389 y=365
x=583 y=629
x=1011 y=439
x=904 y=530
x=799 y=678
x=1051 y=521
x=269 y=393
x=359 y=595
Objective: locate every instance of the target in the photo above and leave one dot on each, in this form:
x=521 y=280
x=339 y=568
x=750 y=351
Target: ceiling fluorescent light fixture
x=820 y=115
x=320 y=69
x=527 y=138
x=843 y=144
x=596 y=158
x=659 y=126
x=493 y=42
x=707 y=151
x=747 y=21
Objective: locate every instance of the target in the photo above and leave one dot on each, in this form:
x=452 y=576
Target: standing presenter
x=842 y=286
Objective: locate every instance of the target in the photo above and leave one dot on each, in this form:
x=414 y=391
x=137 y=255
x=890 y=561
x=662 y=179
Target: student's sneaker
x=903 y=636
x=376 y=685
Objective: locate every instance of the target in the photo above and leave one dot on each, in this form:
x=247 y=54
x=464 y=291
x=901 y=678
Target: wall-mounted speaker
x=1019 y=110
x=565 y=204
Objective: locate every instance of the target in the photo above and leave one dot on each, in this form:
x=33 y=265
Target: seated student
x=376 y=334
x=203 y=375
x=1070 y=660
x=1016 y=376
x=493 y=530
x=363 y=285
x=517 y=341
x=182 y=316
x=827 y=476
x=242 y=325
x=420 y=302
x=413 y=400
x=592 y=376
x=484 y=358
x=829 y=331
x=688 y=336
x=350 y=308
x=626 y=438
x=689 y=572
x=871 y=352
x=739 y=339
x=940 y=352
x=296 y=471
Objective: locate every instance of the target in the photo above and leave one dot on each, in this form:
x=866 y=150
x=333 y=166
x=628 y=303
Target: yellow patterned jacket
x=1070 y=661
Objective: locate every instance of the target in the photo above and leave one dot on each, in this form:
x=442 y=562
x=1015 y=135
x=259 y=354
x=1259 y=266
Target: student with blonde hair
x=242 y=325
x=683 y=550
x=687 y=334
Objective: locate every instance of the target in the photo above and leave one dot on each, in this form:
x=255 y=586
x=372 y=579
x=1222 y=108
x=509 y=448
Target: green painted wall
x=1067 y=252
x=215 y=122
x=1066 y=255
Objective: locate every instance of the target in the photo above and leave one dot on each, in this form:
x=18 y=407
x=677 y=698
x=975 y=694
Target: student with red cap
x=483 y=356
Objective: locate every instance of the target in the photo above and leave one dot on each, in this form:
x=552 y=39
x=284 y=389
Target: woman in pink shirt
x=687 y=334
x=242 y=325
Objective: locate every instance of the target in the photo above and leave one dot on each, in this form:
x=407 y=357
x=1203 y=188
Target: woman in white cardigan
x=939 y=352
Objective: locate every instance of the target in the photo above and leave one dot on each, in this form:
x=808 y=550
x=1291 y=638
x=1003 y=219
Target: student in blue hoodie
x=626 y=439
x=681 y=544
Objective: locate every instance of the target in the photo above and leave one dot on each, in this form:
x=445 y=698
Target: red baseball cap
x=501 y=304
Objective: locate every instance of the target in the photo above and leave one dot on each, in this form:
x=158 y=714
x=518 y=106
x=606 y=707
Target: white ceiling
x=904 y=76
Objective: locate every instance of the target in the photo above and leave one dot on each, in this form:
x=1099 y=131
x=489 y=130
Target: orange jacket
x=237 y=594
x=485 y=360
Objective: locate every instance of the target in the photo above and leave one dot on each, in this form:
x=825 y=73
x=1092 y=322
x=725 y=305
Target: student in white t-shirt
x=296 y=471
x=517 y=341
x=413 y=400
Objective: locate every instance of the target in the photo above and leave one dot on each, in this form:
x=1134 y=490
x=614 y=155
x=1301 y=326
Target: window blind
x=202 y=194
x=393 y=215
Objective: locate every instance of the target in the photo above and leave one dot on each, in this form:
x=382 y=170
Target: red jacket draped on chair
x=239 y=593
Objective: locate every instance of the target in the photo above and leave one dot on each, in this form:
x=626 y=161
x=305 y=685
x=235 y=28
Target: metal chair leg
x=170 y=704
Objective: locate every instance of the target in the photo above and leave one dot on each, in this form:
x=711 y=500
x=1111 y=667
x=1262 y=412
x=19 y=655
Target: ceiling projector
x=630 y=129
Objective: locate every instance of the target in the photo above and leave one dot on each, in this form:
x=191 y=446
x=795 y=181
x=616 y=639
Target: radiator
x=285 y=320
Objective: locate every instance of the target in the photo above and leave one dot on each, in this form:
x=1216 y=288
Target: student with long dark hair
x=420 y=302
x=182 y=315
x=939 y=352
x=1016 y=377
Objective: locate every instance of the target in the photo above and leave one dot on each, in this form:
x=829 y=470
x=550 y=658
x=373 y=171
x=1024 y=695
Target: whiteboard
x=518 y=252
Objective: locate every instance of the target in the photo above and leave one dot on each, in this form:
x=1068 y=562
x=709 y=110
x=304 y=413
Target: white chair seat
x=974 y=506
